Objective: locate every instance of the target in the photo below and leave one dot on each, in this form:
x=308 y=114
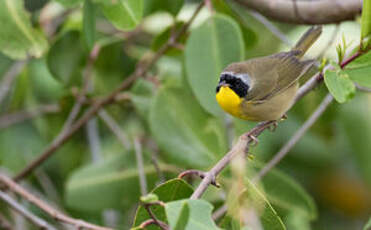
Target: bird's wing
x=261 y=84
x=287 y=70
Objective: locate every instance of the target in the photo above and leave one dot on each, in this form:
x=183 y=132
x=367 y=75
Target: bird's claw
x=254 y=139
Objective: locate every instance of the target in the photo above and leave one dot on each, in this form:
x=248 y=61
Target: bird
x=264 y=88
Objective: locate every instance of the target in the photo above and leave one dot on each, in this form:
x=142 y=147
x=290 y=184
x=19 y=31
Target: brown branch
x=42 y=224
x=57 y=215
x=306 y=12
x=141 y=69
x=9 y=119
x=161 y=224
x=241 y=146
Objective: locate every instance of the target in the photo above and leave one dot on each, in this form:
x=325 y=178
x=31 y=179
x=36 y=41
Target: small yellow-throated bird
x=264 y=88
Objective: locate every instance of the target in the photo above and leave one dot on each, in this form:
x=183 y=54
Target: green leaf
x=116 y=178
x=254 y=198
x=149 y=198
x=359 y=70
x=124 y=14
x=112 y=65
x=18 y=39
x=171 y=6
x=355 y=120
x=361 y=62
x=89 y=23
x=368 y=225
x=164 y=36
x=65 y=57
x=361 y=76
x=69 y=3
x=296 y=220
x=366 y=19
x=198 y=213
x=182 y=219
x=142 y=93
x=284 y=192
x=175 y=189
x=187 y=134
x=268 y=216
x=339 y=85
x=210 y=48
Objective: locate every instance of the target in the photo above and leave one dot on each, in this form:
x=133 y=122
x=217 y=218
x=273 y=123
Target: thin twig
x=161 y=224
x=139 y=158
x=24 y=212
x=92 y=132
x=295 y=138
x=115 y=128
x=57 y=215
x=7 y=120
x=219 y=212
x=154 y=159
x=9 y=77
x=362 y=88
x=141 y=69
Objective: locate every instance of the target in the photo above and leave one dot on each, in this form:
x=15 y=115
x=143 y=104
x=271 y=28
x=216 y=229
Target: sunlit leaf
x=196 y=214
x=339 y=85
x=124 y=14
x=171 y=6
x=18 y=39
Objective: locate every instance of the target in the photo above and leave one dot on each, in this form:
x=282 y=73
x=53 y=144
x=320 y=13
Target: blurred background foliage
x=324 y=183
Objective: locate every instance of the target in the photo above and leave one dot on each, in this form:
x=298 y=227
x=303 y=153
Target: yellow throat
x=229 y=101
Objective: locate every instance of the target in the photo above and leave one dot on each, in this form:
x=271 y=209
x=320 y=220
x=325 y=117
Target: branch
x=115 y=128
x=306 y=12
x=57 y=215
x=245 y=139
x=239 y=147
x=295 y=138
x=9 y=77
x=12 y=118
x=139 y=158
x=141 y=69
x=24 y=212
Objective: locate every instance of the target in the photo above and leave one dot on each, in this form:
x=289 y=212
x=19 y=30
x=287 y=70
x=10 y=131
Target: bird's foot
x=254 y=139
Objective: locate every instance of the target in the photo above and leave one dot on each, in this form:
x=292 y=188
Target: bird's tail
x=307 y=40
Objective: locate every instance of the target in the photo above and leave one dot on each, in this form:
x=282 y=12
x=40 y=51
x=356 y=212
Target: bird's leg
x=254 y=139
x=198 y=173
